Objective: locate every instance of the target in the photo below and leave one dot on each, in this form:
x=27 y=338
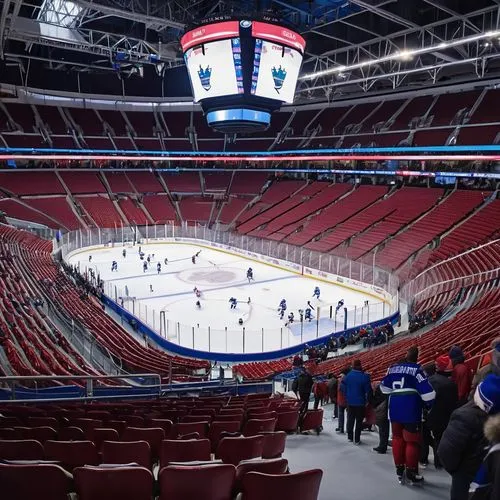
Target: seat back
x=262 y=416
x=196 y=418
x=43 y=434
x=24 y=449
x=163 y=423
x=87 y=425
x=232 y=450
x=102 y=434
x=208 y=482
x=43 y=482
x=124 y=483
x=274 y=444
x=300 y=486
x=255 y=426
x=153 y=435
x=180 y=450
x=70 y=433
x=271 y=466
x=72 y=454
x=118 y=452
x=181 y=429
x=43 y=422
x=118 y=425
x=287 y=421
x=214 y=433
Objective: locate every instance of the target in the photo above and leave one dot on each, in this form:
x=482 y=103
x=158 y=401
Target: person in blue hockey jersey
x=308 y=314
x=317 y=292
x=282 y=308
x=250 y=274
x=408 y=390
x=340 y=305
x=234 y=302
x=114 y=266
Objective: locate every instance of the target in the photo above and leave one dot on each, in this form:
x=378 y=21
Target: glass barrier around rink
x=231 y=339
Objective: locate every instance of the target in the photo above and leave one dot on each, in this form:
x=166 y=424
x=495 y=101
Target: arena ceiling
x=354 y=47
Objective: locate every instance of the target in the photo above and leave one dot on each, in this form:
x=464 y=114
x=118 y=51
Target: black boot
x=413 y=477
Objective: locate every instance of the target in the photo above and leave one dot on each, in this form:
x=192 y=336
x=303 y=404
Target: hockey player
x=198 y=304
x=317 y=292
x=193 y=259
x=290 y=319
x=197 y=254
x=158 y=267
x=308 y=314
x=282 y=308
x=90 y=258
x=141 y=255
x=409 y=391
x=233 y=302
x=124 y=253
x=340 y=304
x=144 y=266
x=165 y=261
x=151 y=288
x=197 y=291
x=114 y=266
x=249 y=301
x=250 y=274
x=149 y=259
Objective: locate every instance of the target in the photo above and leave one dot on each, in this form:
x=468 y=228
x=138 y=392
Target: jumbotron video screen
x=241 y=71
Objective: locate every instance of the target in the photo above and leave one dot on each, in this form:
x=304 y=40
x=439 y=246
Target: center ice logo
x=219 y=276
x=279 y=76
x=205 y=75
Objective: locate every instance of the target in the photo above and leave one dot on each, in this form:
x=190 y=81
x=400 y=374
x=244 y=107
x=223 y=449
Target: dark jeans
x=427 y=443
x=355 y=416
x=341 y=418
x=460 y=486
x=304 y=399
x=317 y=401
x=383 y=434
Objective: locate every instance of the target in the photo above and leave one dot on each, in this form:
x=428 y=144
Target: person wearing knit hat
x=446 y=401
x=461 y=375
x=463 y=444
x=491 y=368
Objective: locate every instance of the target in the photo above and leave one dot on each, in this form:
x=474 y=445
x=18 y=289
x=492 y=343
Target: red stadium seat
x=214 y=433
x=208 y=482
x=287 y=421
x=183 y=429
x=270 y=466
x=120 y=483
x=154 y=436
x=180 y=450
x=28 y=449
x=70 y=434
x=301 y=486
x=117 y=452
x=274 y=444
x=255 y=426
x=232 y=450
x=40 y=482
x=104 y=434
x=72 y=454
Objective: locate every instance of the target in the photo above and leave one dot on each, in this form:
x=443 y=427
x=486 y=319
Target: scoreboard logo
x=279 y=76
x=205 y=75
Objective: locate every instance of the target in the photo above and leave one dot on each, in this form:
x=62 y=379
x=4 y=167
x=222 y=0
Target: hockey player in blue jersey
x=340 y=304
x=250 y=274
x=308 y=314
x=282 y=308
x=317 y=292
x=158 y=267
x=144 y=266
x=233 y=302
x=409 y=391
x=114 y=266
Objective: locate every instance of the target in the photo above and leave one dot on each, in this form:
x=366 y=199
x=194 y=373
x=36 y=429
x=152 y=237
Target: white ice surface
x=218 y=276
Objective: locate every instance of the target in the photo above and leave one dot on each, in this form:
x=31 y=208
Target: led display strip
x=209 y=33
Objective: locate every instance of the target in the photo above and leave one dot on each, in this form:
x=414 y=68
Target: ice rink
x=219 y=276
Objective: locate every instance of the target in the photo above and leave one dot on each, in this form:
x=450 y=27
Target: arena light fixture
x=404 y=54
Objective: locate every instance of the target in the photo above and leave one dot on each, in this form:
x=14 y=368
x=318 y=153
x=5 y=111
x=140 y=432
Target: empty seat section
x=416 y=107
x=64 y=142
x=145 y=182
x=124 y=143
x=148 y=144
x=24 y=141
x=188 y=182
x=486 y=112
x=26 y=183
x=101 y=209
x=22 y=114
x=177 y=123
x=18 y=210
x=383 y=114
x=87 y=120
x=452 y=210
x=432 y=137
x=160 y=208
x=248 y=182
x=56 y=207
x=302 y=120
x=133 y=213
x=98 y=143
x=142 y=122
x=195 y=209
x=278 y=121
x=115 y=120
x=358 y=114
x=448 y=105
x=232 y=208
x=405 y=205
x=51 y=116
x=332 y=119
x=217 y=181
x=118 y=182
x=83 y=182
x=485 y=134
x=390 y=139
x=288 y=222
x=336 y=213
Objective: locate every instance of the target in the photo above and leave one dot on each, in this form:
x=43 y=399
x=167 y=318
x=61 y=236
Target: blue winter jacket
x=357 y=387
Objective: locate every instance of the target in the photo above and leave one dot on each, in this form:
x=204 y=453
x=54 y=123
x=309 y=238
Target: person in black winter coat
x=304 y=384
x=445 y=404
x=380 y=403
x=488 y=479
x=463 y=444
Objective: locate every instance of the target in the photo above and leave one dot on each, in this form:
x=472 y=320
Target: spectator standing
x=380 y=403
x=493 y=367
x=357 y=389
x=332 y=393
x=488 y=478
x=445 y=403
x=409 y=390
x=320 y=391
x=463 y=445
x=341 y=402
x=461 y=375
x=305 y=383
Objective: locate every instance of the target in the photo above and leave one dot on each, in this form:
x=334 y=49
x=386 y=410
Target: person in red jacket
x=320 y=391
x=461 y=374
x=341 y=402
